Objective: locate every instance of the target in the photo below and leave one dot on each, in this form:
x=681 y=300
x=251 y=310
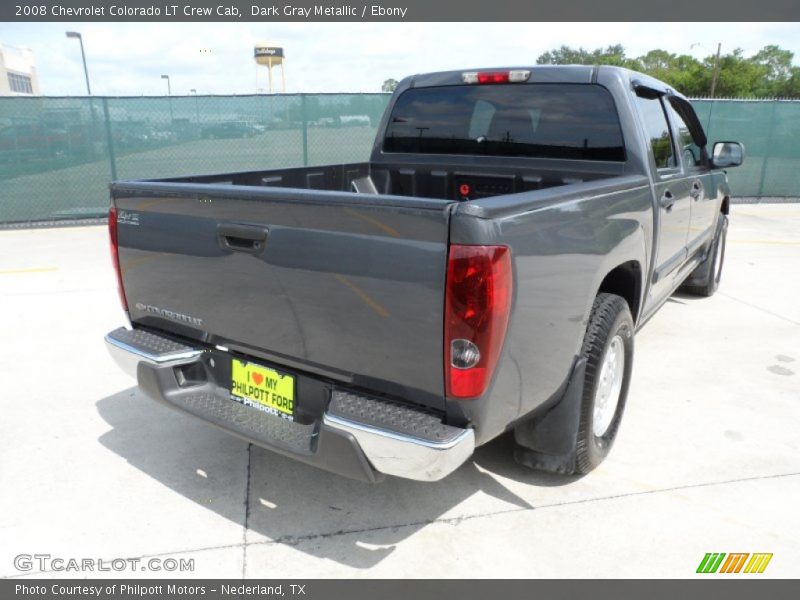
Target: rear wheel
x=576 y=434
x=608 y=350
x=704 y=280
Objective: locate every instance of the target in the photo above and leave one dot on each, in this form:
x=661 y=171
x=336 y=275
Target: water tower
x=270 y=55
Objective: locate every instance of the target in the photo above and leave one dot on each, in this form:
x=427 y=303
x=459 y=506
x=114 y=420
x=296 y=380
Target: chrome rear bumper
x=399 y=440
x=405 y=456
x=394 y=438
x=129 y=347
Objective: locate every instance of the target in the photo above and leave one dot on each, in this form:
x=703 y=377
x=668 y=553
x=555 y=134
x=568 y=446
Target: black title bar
x=394 y=589
x=399 y=10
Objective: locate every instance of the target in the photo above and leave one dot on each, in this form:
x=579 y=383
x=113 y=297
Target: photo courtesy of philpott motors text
x=368 y=290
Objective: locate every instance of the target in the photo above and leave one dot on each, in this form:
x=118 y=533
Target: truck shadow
x=354 y=523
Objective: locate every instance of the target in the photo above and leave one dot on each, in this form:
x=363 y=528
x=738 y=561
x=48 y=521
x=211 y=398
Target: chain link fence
x=57 y=155
x=770 y=132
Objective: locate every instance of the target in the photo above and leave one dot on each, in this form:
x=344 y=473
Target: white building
x=17 y=72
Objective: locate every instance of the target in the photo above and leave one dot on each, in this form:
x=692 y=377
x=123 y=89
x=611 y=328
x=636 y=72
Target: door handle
x=667 y=200
x=697 y=190
x=242 y=238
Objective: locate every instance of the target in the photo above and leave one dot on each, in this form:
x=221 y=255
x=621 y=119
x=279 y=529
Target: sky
x=216 y=58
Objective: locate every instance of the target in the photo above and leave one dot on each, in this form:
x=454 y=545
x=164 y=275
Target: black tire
x=610 y=317
x=704 y=280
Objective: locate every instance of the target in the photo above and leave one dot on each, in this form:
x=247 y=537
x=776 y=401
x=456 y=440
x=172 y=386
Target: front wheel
x=608 y=350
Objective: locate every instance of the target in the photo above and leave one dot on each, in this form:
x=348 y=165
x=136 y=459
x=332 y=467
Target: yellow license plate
x=262 y=388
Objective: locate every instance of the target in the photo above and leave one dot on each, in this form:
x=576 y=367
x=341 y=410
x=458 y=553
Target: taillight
x=477 y=305
x=112 y=234
x=513 y=76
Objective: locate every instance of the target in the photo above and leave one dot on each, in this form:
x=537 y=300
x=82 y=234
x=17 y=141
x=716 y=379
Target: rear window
x=533 y=120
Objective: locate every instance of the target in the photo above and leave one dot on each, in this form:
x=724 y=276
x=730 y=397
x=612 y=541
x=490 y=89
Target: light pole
x=169 y=94
x=193 y=92
x=76 y=35
x=716 y=66
x=93 y=131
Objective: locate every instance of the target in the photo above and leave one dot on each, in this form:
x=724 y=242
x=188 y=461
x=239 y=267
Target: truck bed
x=417 y=180
x=349 y=281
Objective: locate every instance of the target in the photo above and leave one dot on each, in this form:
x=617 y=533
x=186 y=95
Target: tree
x=776 y=61
x=612 y=55
x=683 y=72
x=791 y=87
x=739 y=77
x=565 y=56
x=389 y=85
x=768 y=73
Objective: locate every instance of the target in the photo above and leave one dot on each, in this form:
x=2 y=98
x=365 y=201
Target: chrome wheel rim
x=609 y=386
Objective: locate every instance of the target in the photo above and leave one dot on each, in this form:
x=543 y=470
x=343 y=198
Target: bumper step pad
x=149 y=344
x=248 y=422
x=391 y=416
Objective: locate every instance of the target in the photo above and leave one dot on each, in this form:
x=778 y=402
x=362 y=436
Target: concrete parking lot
x=708 y=458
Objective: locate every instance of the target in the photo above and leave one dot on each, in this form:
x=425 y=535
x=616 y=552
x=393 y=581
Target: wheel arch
x=625 y=280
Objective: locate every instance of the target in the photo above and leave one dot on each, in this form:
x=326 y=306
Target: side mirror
x=727 y=154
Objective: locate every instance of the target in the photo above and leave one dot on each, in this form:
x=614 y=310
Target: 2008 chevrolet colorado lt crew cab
x=485 y=271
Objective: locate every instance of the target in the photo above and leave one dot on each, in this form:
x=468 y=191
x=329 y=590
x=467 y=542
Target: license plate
x=262 y=388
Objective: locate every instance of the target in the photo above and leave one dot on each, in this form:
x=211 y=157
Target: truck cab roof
x=585 y=74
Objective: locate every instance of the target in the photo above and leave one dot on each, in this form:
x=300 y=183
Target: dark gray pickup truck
x=484 y=272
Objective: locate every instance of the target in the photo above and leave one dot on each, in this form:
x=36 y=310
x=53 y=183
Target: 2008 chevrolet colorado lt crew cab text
x=485 y=271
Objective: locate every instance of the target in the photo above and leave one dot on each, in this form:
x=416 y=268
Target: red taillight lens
x=493 y=77
x=477 y=305
x=112 y=234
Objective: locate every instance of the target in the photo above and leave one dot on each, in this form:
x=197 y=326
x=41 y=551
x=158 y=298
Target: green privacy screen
x=57 y=155
x=770 y=132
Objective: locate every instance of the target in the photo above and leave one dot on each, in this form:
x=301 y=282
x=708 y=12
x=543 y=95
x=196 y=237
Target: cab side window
x=691 y=153
x=657 y=131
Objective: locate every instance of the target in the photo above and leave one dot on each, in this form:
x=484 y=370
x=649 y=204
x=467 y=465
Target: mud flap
x=702 y=272
x=548 y=442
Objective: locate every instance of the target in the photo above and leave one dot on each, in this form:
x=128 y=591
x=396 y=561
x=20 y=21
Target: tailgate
x=341 y=285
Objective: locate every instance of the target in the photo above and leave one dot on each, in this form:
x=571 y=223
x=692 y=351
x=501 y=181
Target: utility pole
x=715 y=74
x=716 y=71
